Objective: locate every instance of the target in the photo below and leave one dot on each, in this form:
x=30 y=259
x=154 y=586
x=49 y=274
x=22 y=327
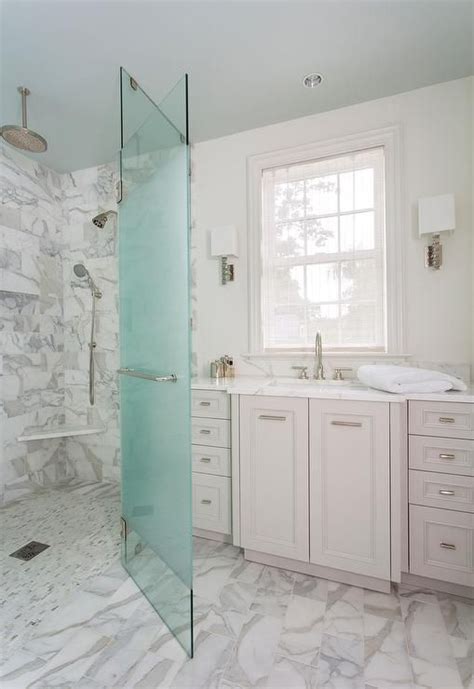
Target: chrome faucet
x=318 y=357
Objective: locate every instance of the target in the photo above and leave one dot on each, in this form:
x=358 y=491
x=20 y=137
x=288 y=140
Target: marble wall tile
x=31 y=319
x=45 y=228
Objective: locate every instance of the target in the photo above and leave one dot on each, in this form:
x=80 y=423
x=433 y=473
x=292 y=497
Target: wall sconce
x=223 y=245
x=436 y=214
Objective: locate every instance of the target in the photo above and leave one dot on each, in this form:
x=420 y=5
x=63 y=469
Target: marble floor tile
x=253 y=657
x=302 y=630
x=387 y=665
x=339 y=647
x=407 y=592
x=246 y=571
x=212 y=575
x=80 y=622
x=237 y=595
x=79 y=522
x=217 y=619
x=288 y=674
x=458 y=617
x=310 y=587
x=339 y=673
x=463 y=652
x=206 y=669
x=271 y=602
x=344 y=611
x=382 y=604
x=276 y=580
x=431 y=656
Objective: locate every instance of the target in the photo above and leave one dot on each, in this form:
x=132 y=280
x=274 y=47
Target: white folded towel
x=406 y=379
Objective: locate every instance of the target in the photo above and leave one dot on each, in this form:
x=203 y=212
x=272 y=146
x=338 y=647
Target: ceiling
x=245 y=61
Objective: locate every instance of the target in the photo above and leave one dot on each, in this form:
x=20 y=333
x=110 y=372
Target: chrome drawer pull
x=206 y=502
x=347 y=423
x=447 y=492
x=445 y=455
x=268 y=417
x=204 y=431
x=205 y=459
x=205 y=404
x=448 y=546
x=446 y=419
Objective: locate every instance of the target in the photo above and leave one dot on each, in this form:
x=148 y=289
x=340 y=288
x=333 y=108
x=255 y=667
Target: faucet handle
x=303 y=372
x=338 y=373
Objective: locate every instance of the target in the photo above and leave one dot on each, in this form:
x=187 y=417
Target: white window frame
x=389 y=139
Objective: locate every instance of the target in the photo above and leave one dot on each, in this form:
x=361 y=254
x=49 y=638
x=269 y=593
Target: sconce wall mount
x=436 y=214
x=223 y=245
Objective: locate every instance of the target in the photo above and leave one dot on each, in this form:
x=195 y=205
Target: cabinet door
x=349 y=486
x=274 y=475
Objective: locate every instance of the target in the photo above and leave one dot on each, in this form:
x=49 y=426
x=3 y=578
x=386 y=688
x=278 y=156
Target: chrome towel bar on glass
x=148 y=376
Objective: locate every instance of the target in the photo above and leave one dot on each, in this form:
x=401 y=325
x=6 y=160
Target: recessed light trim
x=312 y=80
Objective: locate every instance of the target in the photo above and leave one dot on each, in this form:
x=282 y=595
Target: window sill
x=327 y=354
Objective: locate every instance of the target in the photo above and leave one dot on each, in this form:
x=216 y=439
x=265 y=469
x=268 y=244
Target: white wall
x=436 y=127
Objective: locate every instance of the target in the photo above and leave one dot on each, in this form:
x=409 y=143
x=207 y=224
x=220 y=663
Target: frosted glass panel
x=155 y=343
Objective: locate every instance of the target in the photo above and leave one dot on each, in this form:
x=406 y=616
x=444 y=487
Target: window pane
x=289 y=200
x=289 y=239
x=357 y=231
x=321 y=195
x=324 y=317
x=346 y=186
x=321 y=236
x=322 y=282
x=358 y=280
x=358 y=324
x=287 y=326
x=364 y=188
x=288 y=285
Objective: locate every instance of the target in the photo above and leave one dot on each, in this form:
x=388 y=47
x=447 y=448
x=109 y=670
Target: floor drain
x=29 y=551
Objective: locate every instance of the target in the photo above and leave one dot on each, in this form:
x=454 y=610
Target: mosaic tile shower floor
x=81 y=623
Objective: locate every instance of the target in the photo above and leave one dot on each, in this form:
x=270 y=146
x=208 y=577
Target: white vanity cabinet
x=441 y=491
x=211 y=462
x=274 y=476
x=350 y=486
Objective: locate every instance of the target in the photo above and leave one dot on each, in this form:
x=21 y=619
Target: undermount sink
x=290 y=382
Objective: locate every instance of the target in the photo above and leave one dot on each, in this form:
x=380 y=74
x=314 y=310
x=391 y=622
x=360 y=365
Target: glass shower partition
x=155 y=352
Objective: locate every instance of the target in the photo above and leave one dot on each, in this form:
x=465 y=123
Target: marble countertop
x=291 y=387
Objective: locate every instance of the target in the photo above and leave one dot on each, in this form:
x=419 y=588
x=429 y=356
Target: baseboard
x=212 y=535
x=318 y=571
x=438 y=585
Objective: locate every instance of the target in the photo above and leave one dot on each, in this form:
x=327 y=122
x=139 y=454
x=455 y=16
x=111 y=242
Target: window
x=322 y=254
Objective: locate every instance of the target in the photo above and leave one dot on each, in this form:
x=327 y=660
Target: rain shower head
x=101 y=219
x=22 y=137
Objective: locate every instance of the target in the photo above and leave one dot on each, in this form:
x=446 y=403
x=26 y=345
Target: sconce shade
x=436 y=214
x=224 y=241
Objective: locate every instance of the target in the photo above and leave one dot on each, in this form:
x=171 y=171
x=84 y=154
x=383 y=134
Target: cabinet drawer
x=211 y=460
x=441 y=544
x=442 y=419
x=441 y=454
x=215 y=432
x=210 y=403
x=211 y=503
x=442 y=490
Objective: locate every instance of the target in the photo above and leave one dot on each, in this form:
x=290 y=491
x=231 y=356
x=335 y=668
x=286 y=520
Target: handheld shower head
x=81 y=272
x=101 y=219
